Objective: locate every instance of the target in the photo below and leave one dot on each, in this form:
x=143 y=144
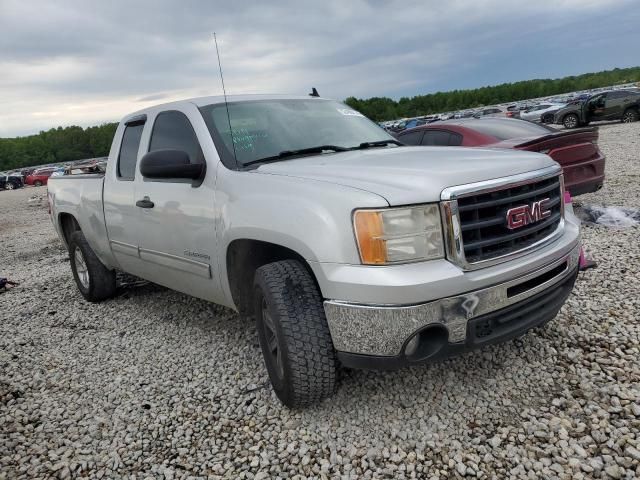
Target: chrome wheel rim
x=570 y=122
x=9 y=186
x=81 y=268
x=627 y=118
x=271 y=336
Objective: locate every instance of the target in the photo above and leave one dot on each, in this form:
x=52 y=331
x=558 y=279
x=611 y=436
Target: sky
x=68 y=62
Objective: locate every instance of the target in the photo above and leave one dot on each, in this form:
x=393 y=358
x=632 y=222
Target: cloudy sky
x=85 y=62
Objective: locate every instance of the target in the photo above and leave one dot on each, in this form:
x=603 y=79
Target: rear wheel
x=95 y=281
x=9 y=186
x=630 y=116
x=571 y=121
x=294 y=335
x=37 y=183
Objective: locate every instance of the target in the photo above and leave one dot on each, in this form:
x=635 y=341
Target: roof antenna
x=314 y=92
x=233 y=142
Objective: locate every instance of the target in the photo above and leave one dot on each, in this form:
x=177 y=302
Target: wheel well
x=244 y=257
x=68 y=225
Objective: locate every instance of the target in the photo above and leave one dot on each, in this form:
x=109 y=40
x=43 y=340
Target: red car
x=576 y=150
x=39 y=177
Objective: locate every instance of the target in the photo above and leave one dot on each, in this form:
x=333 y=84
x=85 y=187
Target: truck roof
x=213 y=99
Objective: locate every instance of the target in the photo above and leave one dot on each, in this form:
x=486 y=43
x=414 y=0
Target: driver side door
x=614 y=105
x=175 y=218
x=596 y=107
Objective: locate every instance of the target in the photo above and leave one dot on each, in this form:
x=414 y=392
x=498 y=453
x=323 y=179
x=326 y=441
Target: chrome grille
x=477 y=231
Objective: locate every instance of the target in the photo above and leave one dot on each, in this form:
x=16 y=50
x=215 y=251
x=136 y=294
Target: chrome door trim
x=175 y=262
x=124 y=248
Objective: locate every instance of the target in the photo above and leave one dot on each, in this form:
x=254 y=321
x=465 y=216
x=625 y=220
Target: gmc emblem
x=526 y=214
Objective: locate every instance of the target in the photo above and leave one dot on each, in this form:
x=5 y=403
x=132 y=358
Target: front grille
x=483 y=219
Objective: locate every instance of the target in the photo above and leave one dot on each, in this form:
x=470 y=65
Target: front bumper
x=380 y=333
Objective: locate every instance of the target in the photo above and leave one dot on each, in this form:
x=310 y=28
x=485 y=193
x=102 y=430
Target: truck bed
x=81 y=197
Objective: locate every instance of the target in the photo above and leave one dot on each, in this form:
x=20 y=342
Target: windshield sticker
x=244 y=140
x=349 y=112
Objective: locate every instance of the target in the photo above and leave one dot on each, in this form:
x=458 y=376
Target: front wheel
x=630 y=116
x=95 y=281
x=9 y=186
x=37 y=183
x=294 y=334
x=571 y=121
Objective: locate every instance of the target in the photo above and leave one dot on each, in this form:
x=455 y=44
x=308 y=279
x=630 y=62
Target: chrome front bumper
x=383 y=330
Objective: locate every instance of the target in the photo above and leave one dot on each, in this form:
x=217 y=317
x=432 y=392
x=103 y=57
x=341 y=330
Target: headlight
x=397 y=235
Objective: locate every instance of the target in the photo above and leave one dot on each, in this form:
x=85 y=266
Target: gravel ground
x=155 y=384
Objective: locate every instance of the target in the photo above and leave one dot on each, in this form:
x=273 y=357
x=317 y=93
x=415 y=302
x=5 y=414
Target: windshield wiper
x=293 y=153
x=379 y=143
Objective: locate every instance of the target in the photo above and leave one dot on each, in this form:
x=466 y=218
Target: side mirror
x=171 y=164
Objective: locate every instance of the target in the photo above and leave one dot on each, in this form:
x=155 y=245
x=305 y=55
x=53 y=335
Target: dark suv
x=10 y=182
x=613 y=105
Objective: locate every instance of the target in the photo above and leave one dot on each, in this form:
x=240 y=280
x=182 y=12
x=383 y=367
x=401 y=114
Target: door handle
x=144 y=203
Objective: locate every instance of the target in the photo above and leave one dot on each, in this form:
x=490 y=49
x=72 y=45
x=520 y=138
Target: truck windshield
x=263 y=129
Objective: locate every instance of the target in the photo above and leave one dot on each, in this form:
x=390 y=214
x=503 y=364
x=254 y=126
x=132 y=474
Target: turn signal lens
x=368 y=225
x=399 y=235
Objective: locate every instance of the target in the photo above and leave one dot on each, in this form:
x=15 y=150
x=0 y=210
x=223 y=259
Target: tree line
x=383 y=108
x=56 y=145
x=75 y=143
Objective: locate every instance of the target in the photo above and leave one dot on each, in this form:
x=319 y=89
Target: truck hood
x=406 y=175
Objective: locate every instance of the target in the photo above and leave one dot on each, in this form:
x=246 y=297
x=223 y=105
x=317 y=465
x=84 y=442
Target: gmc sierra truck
x=344 y=246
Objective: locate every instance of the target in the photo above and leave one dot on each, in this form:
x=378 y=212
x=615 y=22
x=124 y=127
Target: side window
x=455 y=139
x=126 y=169
x=436 y=137
x=172 y=130
x=412 y=138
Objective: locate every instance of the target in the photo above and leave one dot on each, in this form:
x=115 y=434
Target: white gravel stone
x=155 y=384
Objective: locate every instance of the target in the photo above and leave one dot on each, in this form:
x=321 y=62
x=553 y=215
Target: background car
x=576 y=151
x=496 y=112
x=535 y=113
x=612 y=105
x=40 y=176
x=11 y=181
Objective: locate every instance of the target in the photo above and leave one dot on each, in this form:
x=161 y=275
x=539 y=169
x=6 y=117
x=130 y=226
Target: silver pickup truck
x=346 y=247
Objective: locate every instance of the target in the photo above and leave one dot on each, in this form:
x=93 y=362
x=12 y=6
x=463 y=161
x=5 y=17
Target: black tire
x=95 y=281
x=9 y=186
x=293 y=333
x=630 y=115
x=37 y=183
x=571 y=120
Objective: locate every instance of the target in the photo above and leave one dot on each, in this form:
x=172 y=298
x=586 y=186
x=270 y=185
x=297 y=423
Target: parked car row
x=40 y=176
x=576 y=151
x=567 y=110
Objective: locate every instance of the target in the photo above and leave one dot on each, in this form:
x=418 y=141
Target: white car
x=534 y=114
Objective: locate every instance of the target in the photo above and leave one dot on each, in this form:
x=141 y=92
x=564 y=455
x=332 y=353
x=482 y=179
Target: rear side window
x=172 y=130
x=455 y=139
x=436 y=137
x=129 y=151
x=411 y=138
